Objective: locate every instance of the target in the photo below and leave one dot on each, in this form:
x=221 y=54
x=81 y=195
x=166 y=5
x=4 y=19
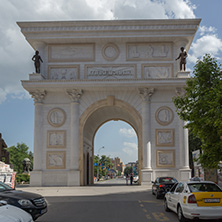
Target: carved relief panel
x=110 y=52
x=64 y=72
x=157 y=71
x=164 y=115
x=149 y=51
x=56 y=139
x=72 y=52
x=165 y=137
x=56 y=117
x=165 y=158
x=56 y=160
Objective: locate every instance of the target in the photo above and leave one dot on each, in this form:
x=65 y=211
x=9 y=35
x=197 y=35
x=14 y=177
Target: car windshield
x=204 y=187
x=167 y=179
x=4 y=187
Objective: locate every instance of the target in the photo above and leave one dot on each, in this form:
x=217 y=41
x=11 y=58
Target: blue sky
x=16 y=106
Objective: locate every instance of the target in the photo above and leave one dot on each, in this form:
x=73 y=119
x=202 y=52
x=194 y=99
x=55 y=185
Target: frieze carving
x=74 y=94
x=72 y=53
x=110 y=52
x=56 y=160
x=149 y=51
x=110 y=72
x=156 y=71
x=146 y=93
x=38 y=95
x=64 y=73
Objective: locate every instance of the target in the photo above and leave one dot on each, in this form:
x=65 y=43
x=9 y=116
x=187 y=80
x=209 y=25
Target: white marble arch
x=96 y=71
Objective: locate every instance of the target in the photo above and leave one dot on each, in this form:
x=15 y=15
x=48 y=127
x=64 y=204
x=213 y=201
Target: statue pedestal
x=183 y=74
x=36 y=76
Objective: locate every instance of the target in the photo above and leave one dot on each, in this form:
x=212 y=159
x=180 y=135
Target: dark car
x=32 y=203
x=162 y=185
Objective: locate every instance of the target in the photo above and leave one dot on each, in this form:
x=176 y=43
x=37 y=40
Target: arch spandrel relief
x=56 y=117
x=164 y=115
x=149 y=51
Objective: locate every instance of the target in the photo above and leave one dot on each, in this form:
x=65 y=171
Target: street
x=108 y=201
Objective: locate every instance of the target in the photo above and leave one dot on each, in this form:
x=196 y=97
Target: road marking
x=141 y=205
x=160 y=217
x=148 y=217
x=144 y=210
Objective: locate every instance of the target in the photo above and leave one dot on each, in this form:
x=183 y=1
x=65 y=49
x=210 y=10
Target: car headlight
x=25 y=203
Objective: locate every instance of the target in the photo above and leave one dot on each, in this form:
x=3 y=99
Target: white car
x=9 y=213
x=195 y=200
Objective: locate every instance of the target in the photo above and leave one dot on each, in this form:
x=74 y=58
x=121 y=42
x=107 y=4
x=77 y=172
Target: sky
x=16 y=105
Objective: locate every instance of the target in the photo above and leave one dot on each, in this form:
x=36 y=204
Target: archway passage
x=91 y=120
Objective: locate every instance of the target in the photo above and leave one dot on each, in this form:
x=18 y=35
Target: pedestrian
x=131 y=179
x=127 y=177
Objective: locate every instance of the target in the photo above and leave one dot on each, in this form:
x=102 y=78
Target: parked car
x=195 y=200
x=9 y=213
x=32 y=203
x=162 y=185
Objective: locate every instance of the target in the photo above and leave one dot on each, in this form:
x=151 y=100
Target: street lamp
x=98 y=163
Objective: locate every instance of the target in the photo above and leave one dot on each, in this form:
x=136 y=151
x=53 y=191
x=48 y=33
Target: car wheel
x=153 y=192
x=180 y=216
x=166 y=206
x=157 y=195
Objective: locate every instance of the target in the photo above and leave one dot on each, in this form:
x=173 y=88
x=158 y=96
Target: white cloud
x=129 y=133
x=204 y=29
x=130 y=148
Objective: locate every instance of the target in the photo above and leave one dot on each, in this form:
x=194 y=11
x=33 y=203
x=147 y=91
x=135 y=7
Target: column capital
x=146 y=93
x=38 y=95
x=74 y=94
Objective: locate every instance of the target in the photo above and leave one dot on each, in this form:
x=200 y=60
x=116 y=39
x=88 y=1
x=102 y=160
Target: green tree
x=201 y=107
x=17 y=154
x=128 y=170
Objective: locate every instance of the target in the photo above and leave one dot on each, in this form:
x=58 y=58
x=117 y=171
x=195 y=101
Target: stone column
x=146 y=94
x=36 y=174
x=74 y=176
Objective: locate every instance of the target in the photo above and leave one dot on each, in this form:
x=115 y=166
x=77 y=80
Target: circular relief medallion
x=110 y=52
x=56 y=117
x=164 y=115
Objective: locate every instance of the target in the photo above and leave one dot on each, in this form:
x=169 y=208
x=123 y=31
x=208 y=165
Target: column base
x=185 y=174
x=73 y=178
x=36 y=178
x=146 y=177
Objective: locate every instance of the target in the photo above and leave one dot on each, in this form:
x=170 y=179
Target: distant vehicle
x=32 y=203
x=162 y=185
x=136 y=179
x=196 y=179
x=9 y=213
x=195 y=200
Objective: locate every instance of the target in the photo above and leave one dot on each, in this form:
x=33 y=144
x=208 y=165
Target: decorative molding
x=69 y=72
x=180 y=91
x=110 y=71
x=56 y=138
x=110 y=52
x=164 y=115
x=157 y=70
x=165 y=158
x=74 y=94
x=148 y=51
x=164 y=137
x=146 y=93
x=56 y=160
x=72 y=52
x=56 y=117
x=38 y=95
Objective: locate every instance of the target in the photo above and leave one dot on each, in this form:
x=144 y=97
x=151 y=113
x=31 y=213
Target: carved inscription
x=72 y=53
x=66 y=73
x=110 y=72
x=149 y=51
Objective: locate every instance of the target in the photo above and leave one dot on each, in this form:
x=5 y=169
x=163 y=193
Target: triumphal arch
x=96 y=71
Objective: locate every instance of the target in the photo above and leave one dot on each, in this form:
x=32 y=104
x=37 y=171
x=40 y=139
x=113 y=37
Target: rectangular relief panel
x=157 y=71
x=64 y=72
x=56 y=139
x=110 y=72
x=165 y=158
x=56 y=160
x=164 y=137
x=149 y=51
x=72 y=53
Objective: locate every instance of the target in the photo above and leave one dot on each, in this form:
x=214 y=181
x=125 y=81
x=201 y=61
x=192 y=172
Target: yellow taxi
x=195 y=200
